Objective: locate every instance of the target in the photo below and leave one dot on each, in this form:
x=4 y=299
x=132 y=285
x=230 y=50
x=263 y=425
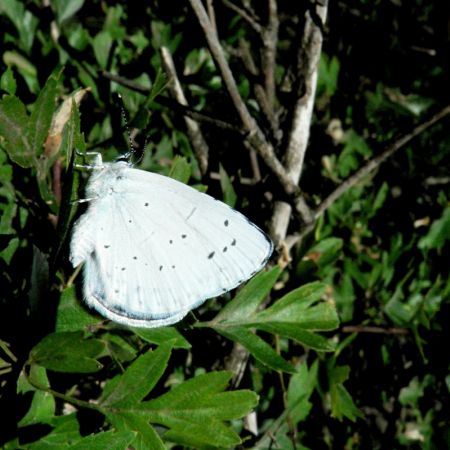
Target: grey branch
x=198 y=142
x=305 y=88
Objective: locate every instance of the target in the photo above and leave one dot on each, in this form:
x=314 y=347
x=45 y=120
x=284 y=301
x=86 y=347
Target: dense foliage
x=341 y=341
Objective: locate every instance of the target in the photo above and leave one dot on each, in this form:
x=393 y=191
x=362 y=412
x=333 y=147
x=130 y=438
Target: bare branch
x=198 y=142
x=376 y=330
x=212 y=15
x=372 y=164
x=246 y=15
x=365 y=170
x=255 y=138
x=307 y=62
x=270 y=41
x=260 y=93
x=219 y=56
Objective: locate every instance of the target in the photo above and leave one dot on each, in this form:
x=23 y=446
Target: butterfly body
x=154 y=248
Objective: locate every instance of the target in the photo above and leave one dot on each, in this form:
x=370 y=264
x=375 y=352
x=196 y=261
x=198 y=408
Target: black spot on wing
x=211 y=255
x=233 y=242
x=226 y=223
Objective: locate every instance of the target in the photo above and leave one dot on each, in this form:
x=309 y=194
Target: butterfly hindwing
x=160 y=248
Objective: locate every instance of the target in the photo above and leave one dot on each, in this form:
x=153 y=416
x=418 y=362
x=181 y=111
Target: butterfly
x=153 y=248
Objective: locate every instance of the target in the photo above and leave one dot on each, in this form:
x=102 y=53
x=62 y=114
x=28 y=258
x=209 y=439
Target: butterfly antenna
x=128 y=155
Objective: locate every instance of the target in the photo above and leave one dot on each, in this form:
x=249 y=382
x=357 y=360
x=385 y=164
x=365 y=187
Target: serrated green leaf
x=304 y=337
x=42 y=408
x=68 y=352
x=195 y=409
x=111 y=440
x=161 y=335
x=146 y=436
x=66 y=430
x=249 y=297
x=301 y=386
x=138 y=380
x=342 y=404
x=259 y=348
x=291 y=306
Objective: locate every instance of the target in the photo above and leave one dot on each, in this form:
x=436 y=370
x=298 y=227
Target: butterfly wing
x=160 y=248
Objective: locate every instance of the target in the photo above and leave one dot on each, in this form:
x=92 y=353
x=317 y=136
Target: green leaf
x=180 y=170
x=295 y=305
x=146 y=436
x=39 y=122
x=194 y=411
x=42 y=408
x=66 y=431
x=9 y=251
x=66 y=8
x=259 y=348
x=325 y=252
x=112 y=440
x=71 y=316
x=13 y=120
x=22 y=19
x=8 y=81
x=438 y=234
x=304 y=337
x=229 y=195
x=342 y=404
x=68 y=352
x=138 y=380
x=102 y=44
x=296 y=316
x=300 y=389
x=249 y=297
x=161 y=335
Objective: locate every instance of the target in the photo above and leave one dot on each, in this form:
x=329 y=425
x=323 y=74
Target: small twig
x=248 y=16
x=260 y=92
x=370 y=329
x=270 y=41
x=219 y=57
x=198 y=142
x=372 y=164
x=167 y=102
